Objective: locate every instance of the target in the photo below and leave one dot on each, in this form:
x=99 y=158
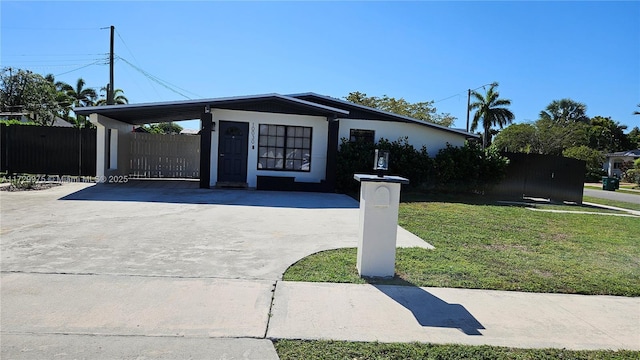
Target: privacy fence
x=542 y=176
x=47 y=150
x=164 y=156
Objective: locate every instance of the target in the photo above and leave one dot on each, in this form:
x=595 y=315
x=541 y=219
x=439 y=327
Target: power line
x=43 y=55
x=46 y=28
x=136 y=60
x=158 y=80
x=449 y=97
x=82 y=67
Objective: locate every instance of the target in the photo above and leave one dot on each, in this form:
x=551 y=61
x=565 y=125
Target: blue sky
x=420 y=51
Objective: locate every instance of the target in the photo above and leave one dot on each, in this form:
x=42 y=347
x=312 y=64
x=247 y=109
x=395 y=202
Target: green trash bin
x=609 y=183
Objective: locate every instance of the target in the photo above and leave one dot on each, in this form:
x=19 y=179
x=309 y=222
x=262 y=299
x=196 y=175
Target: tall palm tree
x=81 y=97
x=118 y=97
x=637 y=112
x=491 y=111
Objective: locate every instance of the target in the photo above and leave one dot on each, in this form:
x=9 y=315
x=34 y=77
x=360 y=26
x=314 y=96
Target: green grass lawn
x=333 y=350
x=489 y=247
x=503 y=248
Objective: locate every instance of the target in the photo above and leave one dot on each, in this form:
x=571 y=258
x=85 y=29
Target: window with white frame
x=284 y=147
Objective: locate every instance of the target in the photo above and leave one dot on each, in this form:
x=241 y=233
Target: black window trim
x=286 y=126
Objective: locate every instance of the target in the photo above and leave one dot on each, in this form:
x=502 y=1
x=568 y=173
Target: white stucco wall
x=121 y=138
x=318 y=143
x=418 y=135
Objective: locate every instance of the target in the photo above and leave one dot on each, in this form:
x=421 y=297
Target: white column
x=378 y=227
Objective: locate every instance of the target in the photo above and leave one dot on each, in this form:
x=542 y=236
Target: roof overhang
x=147 y=113
x=357 y=111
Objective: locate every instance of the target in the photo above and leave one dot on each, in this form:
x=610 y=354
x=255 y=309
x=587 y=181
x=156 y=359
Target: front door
x=232 y=153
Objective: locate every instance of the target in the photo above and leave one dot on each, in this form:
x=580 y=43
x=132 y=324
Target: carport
x=115 y=125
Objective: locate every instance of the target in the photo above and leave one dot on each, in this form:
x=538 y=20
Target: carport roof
x=138 y=114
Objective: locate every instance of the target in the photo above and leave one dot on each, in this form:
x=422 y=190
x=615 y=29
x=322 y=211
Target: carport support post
x=378 y=227
x=206 y=118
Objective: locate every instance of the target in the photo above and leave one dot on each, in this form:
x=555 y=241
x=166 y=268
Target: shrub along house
x=270 y=141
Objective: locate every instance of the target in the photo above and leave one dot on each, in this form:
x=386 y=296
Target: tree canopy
x=423 y=110
x=564 y=125
x=24 y=91
x=44 y=98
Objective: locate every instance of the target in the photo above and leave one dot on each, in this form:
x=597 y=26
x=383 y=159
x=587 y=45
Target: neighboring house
x=61 y=122
x=264 y=141
x=21 y=116
x=615 y=163
x=189 y=132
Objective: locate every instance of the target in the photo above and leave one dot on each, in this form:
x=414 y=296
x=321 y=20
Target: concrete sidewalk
x=46 y=316
x=476 y=317
x=105 y=316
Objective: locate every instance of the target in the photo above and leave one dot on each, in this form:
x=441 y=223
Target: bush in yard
x=467 y=168
x=404 y=160
x=16 y=122
x=633 y=175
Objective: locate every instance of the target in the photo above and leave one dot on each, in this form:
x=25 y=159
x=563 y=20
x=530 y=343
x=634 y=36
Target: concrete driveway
x=172 y=229
x=175 y=271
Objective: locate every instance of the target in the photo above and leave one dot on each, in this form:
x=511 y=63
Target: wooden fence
x=47 y=150
x=164 y=156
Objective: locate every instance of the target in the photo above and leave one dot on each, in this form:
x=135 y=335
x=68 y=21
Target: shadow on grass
x=428 y=309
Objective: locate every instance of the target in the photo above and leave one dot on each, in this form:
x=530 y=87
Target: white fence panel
x=165 y=156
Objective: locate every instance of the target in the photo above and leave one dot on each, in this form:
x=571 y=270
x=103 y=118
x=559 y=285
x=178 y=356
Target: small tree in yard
x=633 y=175
x=593 y=159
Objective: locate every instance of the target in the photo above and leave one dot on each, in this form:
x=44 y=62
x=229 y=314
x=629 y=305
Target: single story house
x=264 y=141
x=615 y=163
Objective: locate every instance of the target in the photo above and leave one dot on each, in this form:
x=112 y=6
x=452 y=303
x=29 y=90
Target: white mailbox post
x=379 y=200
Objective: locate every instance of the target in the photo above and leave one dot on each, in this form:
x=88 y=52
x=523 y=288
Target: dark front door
x=232 y=152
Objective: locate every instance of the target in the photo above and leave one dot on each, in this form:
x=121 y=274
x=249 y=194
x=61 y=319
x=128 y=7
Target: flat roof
x=145 y=113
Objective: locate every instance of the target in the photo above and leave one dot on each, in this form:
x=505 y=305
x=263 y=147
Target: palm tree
x=118 y=97
x=565 y=111
x=81 y=96
x=491 y=110
x=61 y=97
x=637 y=112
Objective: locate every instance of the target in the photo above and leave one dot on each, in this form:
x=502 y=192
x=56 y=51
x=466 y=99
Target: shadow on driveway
x=187 y=192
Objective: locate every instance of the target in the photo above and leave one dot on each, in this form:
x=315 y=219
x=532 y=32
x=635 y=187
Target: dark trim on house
x=138 y=114
x=206 y=120
x=331 y=169
x=361 y=112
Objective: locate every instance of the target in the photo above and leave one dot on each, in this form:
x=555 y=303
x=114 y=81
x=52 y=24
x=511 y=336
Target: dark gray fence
x=47 y=150
x=542 y=176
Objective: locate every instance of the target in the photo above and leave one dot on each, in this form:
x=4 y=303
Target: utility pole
x=468 y=104
x=110 y=88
